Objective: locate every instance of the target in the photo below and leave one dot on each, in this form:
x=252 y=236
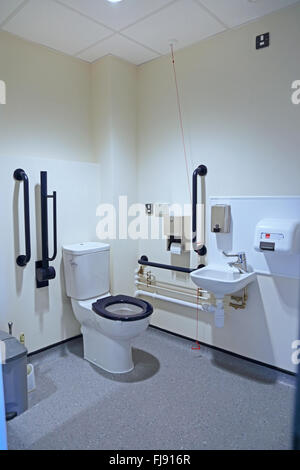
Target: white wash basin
x=221 y=282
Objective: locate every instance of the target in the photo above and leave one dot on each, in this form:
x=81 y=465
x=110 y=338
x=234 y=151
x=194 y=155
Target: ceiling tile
x=237 y=12
x=7 y=7
x=118 y=15
x=184 y=20
x=55 y=26
x=120 y=47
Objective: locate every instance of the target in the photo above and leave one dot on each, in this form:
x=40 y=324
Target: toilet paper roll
x=176 y=249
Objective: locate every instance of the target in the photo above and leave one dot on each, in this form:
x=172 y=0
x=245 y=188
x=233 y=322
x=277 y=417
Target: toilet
x=108 y=323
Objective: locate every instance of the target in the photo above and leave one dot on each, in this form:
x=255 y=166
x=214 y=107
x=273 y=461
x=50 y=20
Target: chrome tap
x=240 y=264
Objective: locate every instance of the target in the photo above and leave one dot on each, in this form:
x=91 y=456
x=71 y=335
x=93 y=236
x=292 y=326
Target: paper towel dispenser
x=177 y=229
x=278 y=235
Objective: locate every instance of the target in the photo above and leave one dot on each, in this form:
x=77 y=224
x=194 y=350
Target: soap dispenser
x=220 y=218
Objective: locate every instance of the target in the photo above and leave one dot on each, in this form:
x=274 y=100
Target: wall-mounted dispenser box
x=220 y=218
x=161 y=209
x=177 y=230
x=278 y=235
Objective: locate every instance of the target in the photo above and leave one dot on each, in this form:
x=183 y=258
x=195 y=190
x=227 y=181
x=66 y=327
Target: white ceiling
x=134 y=30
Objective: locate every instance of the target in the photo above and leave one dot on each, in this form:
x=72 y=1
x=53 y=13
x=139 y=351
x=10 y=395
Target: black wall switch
x=149 y=209
x=263 y=40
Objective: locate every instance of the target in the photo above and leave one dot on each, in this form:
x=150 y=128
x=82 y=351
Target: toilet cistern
x=108 y=324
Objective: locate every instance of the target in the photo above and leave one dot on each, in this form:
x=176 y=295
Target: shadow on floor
x=98 y=427
x=45 y=387
x=145 y=367
x=75 y=347
x=245 y=369
x=181 y=408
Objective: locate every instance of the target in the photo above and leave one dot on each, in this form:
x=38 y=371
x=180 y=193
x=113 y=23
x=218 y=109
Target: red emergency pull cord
x=181 y=121
x=197 y=347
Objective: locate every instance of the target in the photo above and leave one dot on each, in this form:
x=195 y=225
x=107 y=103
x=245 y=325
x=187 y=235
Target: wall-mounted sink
x=221 y=282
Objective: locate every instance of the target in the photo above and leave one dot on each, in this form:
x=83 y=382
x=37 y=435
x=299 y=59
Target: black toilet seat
x=122 y=308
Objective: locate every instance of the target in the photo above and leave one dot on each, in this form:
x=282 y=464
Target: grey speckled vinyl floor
x=175 y=398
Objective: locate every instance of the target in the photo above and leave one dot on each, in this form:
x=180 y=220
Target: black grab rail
x=144 y=262
x=44 y=272
x=23 y=260
x=200 y=171
x=200 y=250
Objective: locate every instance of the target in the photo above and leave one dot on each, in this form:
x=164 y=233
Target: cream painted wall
x=47 y=114
x=62 y=115
x=240 y=122
x=114 y=98
x=45 y=125
x=81 y=122
x=44 y=315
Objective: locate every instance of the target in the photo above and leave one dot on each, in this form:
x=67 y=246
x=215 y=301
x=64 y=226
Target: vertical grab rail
x=200 y=171
x=54 y=226
x=23 y=260
x=44 y=272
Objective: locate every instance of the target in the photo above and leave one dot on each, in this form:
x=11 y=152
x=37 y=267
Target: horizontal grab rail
x=144 y=262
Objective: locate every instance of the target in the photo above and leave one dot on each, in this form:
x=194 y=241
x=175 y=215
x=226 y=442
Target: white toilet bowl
x=107 y=342
x=108 y=324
